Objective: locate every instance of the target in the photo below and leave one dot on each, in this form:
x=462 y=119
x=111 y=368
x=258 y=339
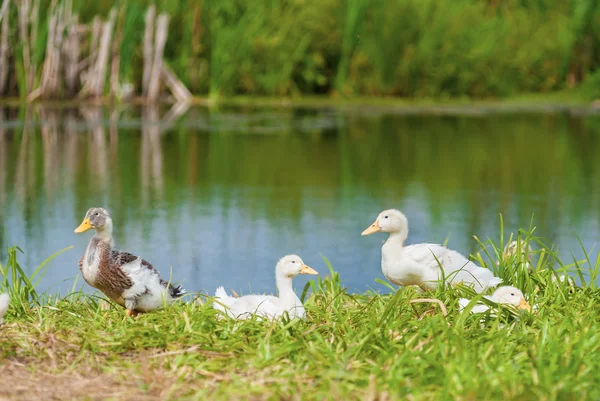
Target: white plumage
x=506 y=295
x=4 y=298
x=419 y=264
x=268 y=306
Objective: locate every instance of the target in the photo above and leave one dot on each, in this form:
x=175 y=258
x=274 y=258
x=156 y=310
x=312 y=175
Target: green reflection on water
x=319 y=174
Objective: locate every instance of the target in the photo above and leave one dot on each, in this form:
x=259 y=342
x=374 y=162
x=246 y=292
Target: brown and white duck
x=126 y=279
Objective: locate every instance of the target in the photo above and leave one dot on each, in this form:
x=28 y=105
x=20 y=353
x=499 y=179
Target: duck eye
x=386 y=217
x=293 y=261
x=96 y=214
x=512 y=294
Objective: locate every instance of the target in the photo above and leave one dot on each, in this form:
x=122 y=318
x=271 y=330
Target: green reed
x=411 y=48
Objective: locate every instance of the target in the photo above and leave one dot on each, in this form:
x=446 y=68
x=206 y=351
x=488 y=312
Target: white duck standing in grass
x=268 y=306
x=506 y=295
x=127 y=279
x=4 y=298
x=419 y=264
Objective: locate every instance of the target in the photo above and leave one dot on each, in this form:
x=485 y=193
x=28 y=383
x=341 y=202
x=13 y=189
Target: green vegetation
x=407 y=48
x=351 y=346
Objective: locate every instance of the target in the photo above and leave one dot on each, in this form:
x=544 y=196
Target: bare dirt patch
x=22 y=382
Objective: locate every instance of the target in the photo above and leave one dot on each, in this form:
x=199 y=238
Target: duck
x=419 y=264
x=511 y=253
x=4 y=299
x=268 y=306
x=506 y=295
x=126 y=279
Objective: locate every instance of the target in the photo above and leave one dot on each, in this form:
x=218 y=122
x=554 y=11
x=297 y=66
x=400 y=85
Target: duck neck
x=104 y=234
x=286 y=290
x=398 y=237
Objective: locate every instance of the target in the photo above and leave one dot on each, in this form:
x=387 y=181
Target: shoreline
x=536 y=102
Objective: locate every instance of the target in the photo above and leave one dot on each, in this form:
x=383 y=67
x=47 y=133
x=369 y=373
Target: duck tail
x=176 y=292
x=494 y=282
x=222 y=300
x=221 y=293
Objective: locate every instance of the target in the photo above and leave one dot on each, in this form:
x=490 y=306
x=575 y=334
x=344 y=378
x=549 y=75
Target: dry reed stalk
x=51 y=70
x=4 y=49
x=177 y=110
x=96 y=75
x=162 y=26
x=95 y=39
x=178 y=89
x=4 y=9
x=34 y=23
x=71 y=52
x=115 y=61
x=87 y=66
x=103 y=52
x=148 y=48
x=24 y=38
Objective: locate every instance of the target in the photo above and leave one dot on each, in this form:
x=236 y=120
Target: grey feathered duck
x=128 y=280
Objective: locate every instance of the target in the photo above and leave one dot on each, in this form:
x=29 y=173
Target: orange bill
x=373 y=228
x=308 y=270
x=524 y=305
x=84 y=226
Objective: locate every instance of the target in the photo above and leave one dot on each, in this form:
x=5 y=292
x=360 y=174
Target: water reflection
x=219 y=195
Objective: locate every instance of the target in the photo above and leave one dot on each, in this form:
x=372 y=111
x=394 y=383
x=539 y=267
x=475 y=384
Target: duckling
x=128 y=280
x=511 y=254
x=419 y=264
x=4 y=298
x=507 y=295
x=268 y=306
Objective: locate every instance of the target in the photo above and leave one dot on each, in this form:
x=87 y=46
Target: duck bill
x=373 y=228
x=308 y=270
x=84 y=226
x=524 y=306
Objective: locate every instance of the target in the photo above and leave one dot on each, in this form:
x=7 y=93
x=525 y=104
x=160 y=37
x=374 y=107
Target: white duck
x=507 y=295
x=419 y=264
x=268 y=306
x=511 y=253
x=3 y=305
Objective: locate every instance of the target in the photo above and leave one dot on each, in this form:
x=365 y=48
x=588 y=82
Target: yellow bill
x=524 y=305
x=84 y=226
x=374 y=228
x=308 y=270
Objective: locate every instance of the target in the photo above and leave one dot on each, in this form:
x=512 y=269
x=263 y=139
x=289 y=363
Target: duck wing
x=456 y=268
x=143 y=272
x=477 y=308
x=262 y=305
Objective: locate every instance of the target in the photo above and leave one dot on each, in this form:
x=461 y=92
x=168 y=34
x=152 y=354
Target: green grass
x=351 y=346
x=406 y=48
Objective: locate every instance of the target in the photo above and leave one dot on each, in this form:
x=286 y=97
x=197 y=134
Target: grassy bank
x=351 y=346
x=405 y=48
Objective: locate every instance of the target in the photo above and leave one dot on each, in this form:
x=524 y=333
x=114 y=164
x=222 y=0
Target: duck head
x=291 y=266
x=97 y=218
x=389 y=221
x=511 y=296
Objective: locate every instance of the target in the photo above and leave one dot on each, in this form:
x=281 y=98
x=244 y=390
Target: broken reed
x=78 y=60
x=409 y=48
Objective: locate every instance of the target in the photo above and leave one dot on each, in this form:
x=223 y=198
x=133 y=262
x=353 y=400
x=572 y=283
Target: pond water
x=219 y=195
